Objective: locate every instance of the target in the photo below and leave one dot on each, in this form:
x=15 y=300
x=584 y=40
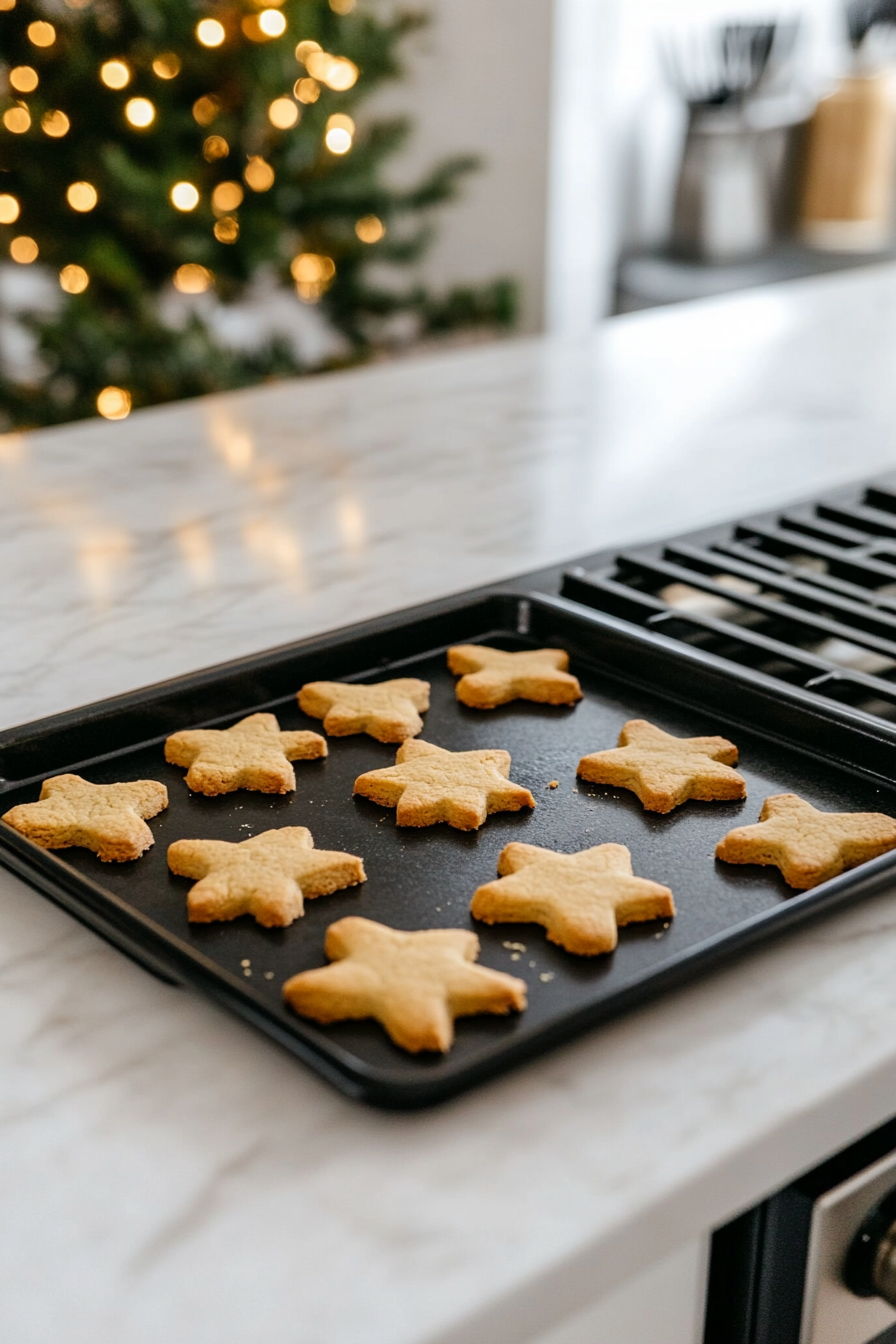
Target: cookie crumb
x=554 y=784
x=514 y=947
x=514 y=956
x=546 y=977
x=532 y=964
x=246 y=961
x=247 y=971
x=269 y=975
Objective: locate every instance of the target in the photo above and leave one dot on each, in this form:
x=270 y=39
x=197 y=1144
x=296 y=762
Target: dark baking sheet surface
x=426 y=878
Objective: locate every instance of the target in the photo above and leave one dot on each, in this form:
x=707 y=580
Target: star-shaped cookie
x=253 y=754
x=107 y=818
x=387 y=710
x=581 y=899
x=665 y=771
x=429 y=784
x=266 y=876
x=415 y=984
x=807 y=845
x=491 y=677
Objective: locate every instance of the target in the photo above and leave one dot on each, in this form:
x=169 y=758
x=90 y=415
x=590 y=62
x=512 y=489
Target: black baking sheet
x=425 y=878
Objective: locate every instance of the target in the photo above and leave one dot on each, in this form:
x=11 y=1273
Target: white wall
x=479 y=81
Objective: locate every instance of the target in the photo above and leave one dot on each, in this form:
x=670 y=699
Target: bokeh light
x=184 y=196
x=227 y=196
x=74 y=279
x=304 y=49
x=258 y=174
x=82 y=196
x=206 y=108
x=283 y=113
x=166 y=66
x=227 y=230
x=9 y=209
x=55 y=124
x=339 y=134
x=210 y=32
x=307 y=90
x=342 y=7
x=337 y=72
x=215 y=147
x=114 y=403
x=192 y=278
x=370 y=229
x=313 y=275
x=115 y=74
x=17 y=120
x=23 y=78
x=41 y=33
x=24 y=250
x=140 y=112
x=272 y=23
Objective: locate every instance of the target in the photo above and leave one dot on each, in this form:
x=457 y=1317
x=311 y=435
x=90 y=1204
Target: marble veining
x=169 y=1174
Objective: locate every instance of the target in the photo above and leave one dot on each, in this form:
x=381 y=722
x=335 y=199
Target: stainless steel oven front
x=816 y=1262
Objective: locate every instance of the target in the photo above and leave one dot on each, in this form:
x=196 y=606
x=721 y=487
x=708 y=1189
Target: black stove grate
x=807 y=595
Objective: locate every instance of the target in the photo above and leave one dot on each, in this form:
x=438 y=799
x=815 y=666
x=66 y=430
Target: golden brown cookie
x=581 y=899
x=253 y=754
x=107 y=818
x=491 y=677
x=429 y=784
x=665 y=771
x=266 y=876
x=807 y=845
x=387 y=710
x=415 y=984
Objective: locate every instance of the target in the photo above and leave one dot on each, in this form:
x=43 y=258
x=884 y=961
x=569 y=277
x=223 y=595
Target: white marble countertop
x=167 y=1173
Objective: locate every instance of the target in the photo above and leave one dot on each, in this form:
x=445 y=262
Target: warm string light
x=227 y=197
x=184 y=196
x=7 y=4
x=370 y=229
x=258 y=174
x=140 y=112
x=342 y=7
x=192 y=278
x=215 y=147
x=55 y=124
x=9 y=209
x=263 y=27
x=166 y=66
x=313 y=275
x=115 y=74
x=114 y=403
x=41 y=33
x=24 y=250
x=307 y=90
x=339 y=133
x=206 y=108
x=283 y=114
x=73 y=279
x=337 y=72
x=210 y=32
x=82 y=196
x=23 y=78
x=304 y=50
x=17 y=119
x=227 y=229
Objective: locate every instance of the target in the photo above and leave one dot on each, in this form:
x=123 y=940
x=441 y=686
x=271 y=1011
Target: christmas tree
x=151 y=143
